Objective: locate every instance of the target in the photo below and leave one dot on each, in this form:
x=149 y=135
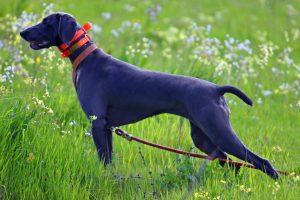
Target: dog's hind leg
x=202 y=142
x=214 y=122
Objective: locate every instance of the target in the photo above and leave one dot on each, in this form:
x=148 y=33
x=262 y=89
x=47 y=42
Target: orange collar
x=69 y=48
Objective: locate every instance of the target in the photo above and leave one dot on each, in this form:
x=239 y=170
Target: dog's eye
x=45 y=21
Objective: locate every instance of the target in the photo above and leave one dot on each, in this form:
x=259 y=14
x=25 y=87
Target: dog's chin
x=39 y=45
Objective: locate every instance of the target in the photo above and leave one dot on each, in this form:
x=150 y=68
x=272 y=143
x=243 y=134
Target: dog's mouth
x=39 y=45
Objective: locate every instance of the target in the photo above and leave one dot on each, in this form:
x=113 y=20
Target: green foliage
x=46 y=148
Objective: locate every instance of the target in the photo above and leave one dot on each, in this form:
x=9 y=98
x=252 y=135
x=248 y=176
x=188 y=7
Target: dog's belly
x=123 y=116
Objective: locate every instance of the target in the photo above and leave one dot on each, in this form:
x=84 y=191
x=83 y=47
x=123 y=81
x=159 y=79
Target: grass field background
x=46 y=151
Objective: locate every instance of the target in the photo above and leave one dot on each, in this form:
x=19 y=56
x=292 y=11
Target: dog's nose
x=24 y=33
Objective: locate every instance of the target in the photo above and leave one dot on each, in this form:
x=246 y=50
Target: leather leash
x=130 y=138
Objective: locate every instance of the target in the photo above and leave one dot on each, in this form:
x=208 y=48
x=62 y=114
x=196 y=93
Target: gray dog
x=119 y=93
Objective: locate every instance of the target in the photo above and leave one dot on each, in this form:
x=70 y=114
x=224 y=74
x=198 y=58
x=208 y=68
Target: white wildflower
x=106 y=15
x=72 y=123
x=153 y=12
x=266 y=92
x=93 y=118
x=298 y=104
x=259 y=101
x=296 y=34
x=50 y=111
x=115 y=33
x=88 y=134
x=4 y=78
x=96 y=29
x=129 y=8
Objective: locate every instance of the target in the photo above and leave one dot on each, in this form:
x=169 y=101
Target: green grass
x=43 y=157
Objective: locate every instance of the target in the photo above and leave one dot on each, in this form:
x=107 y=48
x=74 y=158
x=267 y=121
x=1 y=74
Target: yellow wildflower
x=294 y=176
x=46 y=94
x=38 y=60
x=245 y=189
x=277 y=149
x=275 y=188
x=31 y=157
x=201 y=195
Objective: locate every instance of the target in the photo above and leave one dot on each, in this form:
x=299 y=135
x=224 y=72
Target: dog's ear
x=66 y=28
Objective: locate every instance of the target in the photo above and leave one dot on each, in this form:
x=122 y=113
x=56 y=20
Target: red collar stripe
x=75 y=46
x=67 y=50
x=87 y=26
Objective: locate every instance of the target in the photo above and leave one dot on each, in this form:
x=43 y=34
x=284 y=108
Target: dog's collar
x=80 y=58
x=68 y=48
x=83 y=55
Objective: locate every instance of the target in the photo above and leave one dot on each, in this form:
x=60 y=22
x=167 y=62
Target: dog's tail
x=233 y=90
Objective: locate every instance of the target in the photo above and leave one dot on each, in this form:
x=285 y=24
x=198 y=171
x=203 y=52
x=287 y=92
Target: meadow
x=46 y=148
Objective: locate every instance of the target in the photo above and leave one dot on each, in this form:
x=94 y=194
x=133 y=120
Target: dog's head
x=54 y=30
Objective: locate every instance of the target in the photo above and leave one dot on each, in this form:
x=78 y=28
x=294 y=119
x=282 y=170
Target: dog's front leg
x=103 y=139
x=95 y=109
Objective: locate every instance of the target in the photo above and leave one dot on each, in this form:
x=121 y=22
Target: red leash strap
x=129 y=137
